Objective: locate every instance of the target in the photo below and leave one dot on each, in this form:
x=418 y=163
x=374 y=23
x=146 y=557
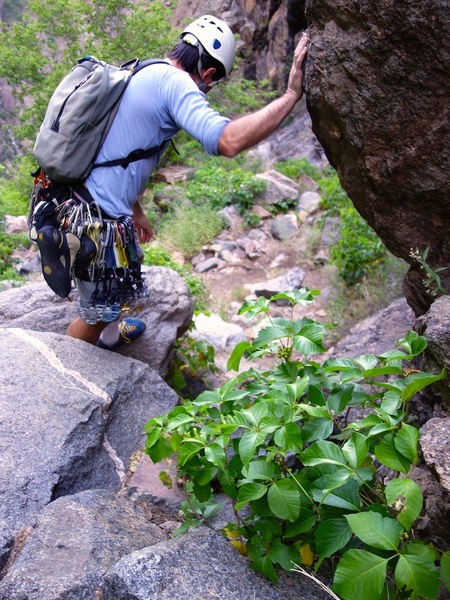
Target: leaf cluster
x=305 y=480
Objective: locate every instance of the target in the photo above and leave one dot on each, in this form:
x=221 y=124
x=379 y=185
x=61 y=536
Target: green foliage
x=431 y=280
x=299 y=475
x=15 y=189
x=294 y=168
x=240 y=95
x=8 y=243
x=193 y=362
x=218 y=184
x=358 y=247
x=188 y=229
x=34 y=63
x=154 y=255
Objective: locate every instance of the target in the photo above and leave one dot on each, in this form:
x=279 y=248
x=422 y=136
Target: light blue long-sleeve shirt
x=159 y=101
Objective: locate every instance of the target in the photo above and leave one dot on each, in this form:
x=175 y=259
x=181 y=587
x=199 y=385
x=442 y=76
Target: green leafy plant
x=188 y=229
x=192 y=364
x=294 y=168
x=302 y=449
x=431 y=280
x=219 y=184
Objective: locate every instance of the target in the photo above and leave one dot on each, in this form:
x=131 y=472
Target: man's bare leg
x=81 y=330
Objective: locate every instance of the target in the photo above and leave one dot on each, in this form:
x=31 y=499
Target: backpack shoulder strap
x=134 y=65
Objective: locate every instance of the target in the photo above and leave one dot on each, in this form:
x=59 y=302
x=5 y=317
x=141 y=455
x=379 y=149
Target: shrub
x=218 y=184
x=304 y=479
x=190 y=228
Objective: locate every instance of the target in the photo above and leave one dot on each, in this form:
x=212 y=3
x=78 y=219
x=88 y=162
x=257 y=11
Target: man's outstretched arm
x=247 y=131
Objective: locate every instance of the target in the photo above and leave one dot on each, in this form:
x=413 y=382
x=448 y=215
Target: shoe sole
x=55 y=258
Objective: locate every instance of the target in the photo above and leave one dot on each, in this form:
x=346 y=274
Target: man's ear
x=209 y=73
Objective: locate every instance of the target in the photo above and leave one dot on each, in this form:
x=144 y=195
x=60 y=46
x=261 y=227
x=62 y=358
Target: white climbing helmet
x=215 y=37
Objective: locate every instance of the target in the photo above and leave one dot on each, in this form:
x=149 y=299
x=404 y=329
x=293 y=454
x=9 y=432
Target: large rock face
x=377 y=91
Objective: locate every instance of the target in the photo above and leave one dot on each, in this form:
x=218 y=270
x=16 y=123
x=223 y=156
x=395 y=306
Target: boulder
x=279 y=188
x=76 y=539
x=177 y=569
x=167 y=313
x=72 y=416
x=377 y=90
x=435 y=445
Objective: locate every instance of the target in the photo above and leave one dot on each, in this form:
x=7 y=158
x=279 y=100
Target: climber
x=202 y=58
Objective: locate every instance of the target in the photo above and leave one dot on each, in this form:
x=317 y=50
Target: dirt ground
x=230 y=286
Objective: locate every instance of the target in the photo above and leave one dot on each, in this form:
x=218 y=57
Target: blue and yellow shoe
x=130 y=330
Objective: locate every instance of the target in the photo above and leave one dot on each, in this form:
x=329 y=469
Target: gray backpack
x=79 y=116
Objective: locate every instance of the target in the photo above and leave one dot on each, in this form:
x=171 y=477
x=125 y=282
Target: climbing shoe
x=86 y=254
x=130 y=330
x=55 y=258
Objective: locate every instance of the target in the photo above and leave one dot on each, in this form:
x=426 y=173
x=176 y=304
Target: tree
x=37 y=50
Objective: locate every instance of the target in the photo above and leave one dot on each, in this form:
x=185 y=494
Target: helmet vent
x=216 y=44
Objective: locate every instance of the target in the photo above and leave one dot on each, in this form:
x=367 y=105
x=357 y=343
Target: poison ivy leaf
x=391 y=403
x=317 y=429
x=160 y=450
x=302 y=296
x=259 y=469
x=308 y=339
x=250 y=308
x=338 y=364
x=315 y=411
x=201 y=492
x=315 y=396
x=389 y=456
x=289 y=438
x=249 y=492
x=216 y=455
x=228 y=483
x=331 y=536
x=207 y=397
x=405 y=497
x=269 y=424
x=413 y=343
x=188 y=450
x=445 y=569
x=265 y=566
x=337 y=479
x=378 y=430
x=153 y=436
x=418 y=381
x=270 y=334
x=181 y=419
x=236 y=356
x=418 y=548
x=284 y=499
x=369 y=421
x=255 y=413
x=304 y=523
x=283 y=555
x=249 y=443
x=323 y=452
x=355 y=450
x=268 y=527
x=340 y=398
x=366 y=362
x=387 y=370
x=346 y=496
x=375 y=530
x=406 y=441
x=394 y=355
x=360 y=575
x=417 y=575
